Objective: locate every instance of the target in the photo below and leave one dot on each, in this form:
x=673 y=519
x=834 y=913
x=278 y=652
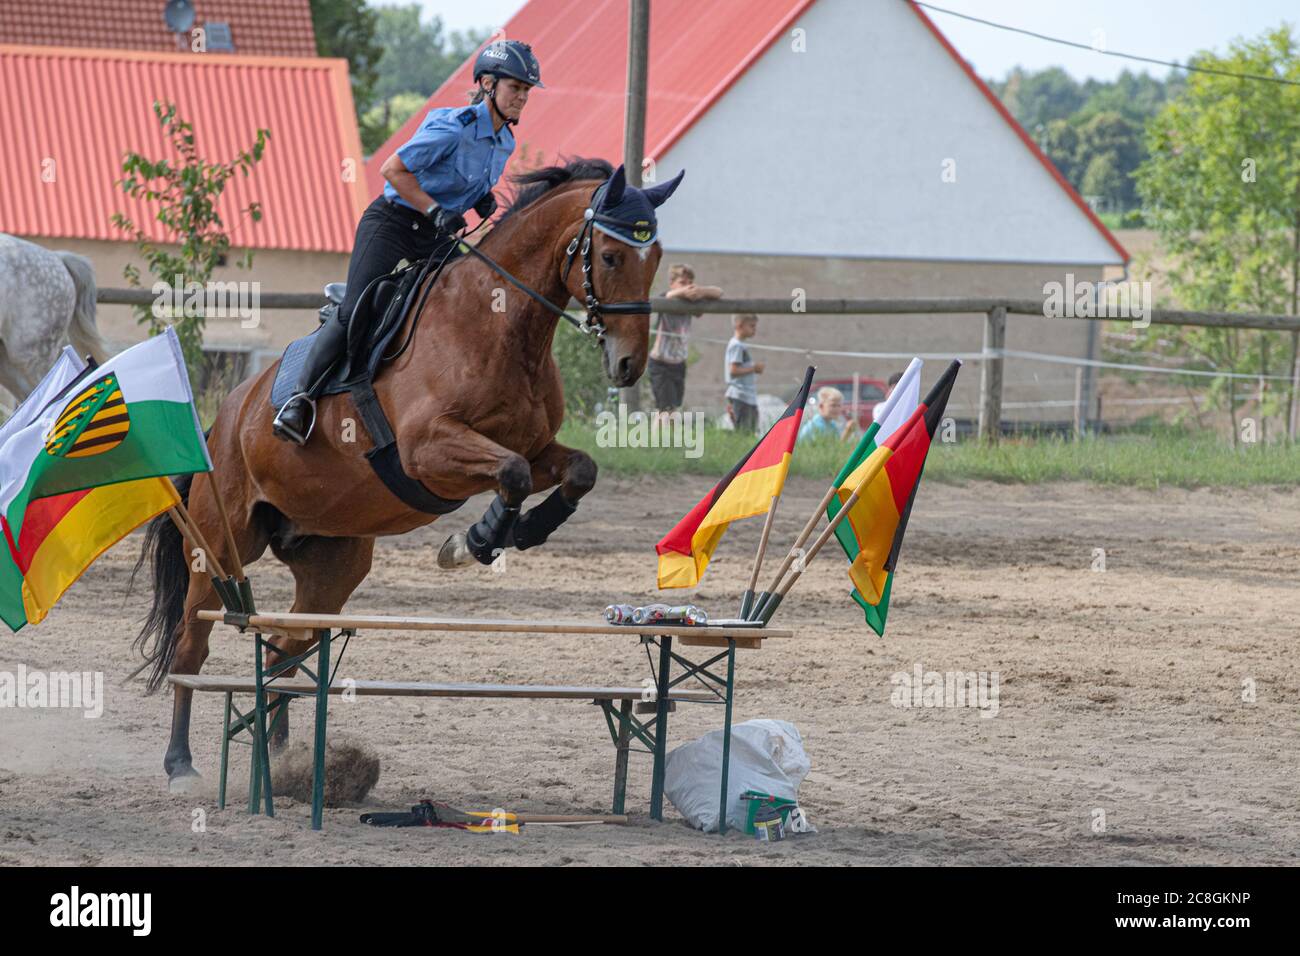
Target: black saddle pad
x=368 y=339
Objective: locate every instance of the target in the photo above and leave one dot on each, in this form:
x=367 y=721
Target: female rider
x=450 y=165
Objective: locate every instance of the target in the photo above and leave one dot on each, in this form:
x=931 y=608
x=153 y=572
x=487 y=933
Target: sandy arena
x=1121 y=692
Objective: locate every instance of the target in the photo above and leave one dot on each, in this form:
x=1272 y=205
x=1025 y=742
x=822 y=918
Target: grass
x=1138 y=460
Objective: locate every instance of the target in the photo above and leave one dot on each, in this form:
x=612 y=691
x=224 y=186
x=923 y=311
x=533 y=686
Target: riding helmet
x=512 y=58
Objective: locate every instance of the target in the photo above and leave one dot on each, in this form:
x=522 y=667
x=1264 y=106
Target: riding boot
x=493 y=533
x=295 y=420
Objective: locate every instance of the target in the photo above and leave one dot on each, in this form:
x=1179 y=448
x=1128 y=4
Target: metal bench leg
x=620 y=760
x=661 y=729
x=726 y=735
x=322 y=709
x=225 y=755
x=261 y=751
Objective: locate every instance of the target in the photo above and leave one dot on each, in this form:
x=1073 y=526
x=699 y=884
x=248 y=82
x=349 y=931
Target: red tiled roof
x=75 y=112
x=257 y=27
x=697 y=51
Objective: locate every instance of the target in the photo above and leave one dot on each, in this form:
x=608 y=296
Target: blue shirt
x=456 y=156
x=816 y=426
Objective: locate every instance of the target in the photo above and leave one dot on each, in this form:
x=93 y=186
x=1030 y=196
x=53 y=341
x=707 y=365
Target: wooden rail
x=994 y=310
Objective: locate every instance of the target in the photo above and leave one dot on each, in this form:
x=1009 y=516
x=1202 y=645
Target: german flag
x=684 y=552
x=886 y=484
x=62 y=535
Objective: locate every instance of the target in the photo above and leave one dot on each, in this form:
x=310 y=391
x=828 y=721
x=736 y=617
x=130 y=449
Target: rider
x=449 y=165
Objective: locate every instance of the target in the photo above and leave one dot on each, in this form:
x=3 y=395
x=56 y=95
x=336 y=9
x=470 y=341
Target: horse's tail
x=82 y=330
x=165 y=550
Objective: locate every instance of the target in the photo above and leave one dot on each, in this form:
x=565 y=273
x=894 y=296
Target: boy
x=741 y=373
x=668 y=357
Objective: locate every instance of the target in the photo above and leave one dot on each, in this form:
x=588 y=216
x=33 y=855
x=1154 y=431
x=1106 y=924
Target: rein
x=594 y=323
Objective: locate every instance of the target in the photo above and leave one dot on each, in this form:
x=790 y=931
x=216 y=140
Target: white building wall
x=841 y=150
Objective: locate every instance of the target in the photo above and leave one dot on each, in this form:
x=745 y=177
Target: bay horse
x=475 y=402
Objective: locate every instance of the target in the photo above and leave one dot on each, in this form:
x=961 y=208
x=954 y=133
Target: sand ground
x=1121 y=693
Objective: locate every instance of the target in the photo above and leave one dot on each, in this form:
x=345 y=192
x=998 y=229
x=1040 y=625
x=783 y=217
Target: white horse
x=46 y=299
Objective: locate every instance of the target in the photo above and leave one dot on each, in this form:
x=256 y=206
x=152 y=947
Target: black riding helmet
x=512 y=58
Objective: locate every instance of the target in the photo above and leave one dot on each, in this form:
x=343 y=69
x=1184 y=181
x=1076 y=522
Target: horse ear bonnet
x=628 y=213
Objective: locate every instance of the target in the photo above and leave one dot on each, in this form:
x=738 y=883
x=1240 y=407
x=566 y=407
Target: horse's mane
x=536 y=183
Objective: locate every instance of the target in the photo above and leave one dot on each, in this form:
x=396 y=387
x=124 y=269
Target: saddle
x=375 y=322
x=377 y=318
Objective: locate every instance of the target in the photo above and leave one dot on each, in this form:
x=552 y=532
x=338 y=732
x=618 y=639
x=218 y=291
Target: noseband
x=594 y=323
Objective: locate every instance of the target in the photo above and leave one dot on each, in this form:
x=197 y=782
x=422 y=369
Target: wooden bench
x=606 y=697
x=658 y=696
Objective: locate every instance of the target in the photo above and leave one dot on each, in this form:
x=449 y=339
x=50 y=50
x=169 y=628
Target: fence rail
x=994 y=311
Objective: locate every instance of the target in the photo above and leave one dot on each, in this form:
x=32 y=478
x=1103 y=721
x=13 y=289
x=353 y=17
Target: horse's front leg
x=574 y=472
x=455 y=454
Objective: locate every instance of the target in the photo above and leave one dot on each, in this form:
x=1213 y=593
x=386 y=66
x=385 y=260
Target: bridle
x=594 y=322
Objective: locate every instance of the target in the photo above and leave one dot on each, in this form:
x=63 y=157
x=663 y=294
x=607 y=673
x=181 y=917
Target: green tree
x=346 y=29
x=1059 y=139
x=1037 y=98
x=1222 y=188
x=418 y=58
x=187 y=190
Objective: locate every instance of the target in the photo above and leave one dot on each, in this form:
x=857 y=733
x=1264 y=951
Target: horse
x=46 y=298
x=475 y=401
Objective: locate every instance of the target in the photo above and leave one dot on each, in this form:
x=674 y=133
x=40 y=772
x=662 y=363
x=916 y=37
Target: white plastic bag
x=766 y=755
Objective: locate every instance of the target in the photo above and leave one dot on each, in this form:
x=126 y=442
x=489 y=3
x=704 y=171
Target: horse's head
x=619 y=240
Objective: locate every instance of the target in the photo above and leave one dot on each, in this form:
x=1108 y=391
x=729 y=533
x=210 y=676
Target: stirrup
x=284 y=431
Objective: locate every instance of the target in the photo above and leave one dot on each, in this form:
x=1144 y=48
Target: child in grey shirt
x=741 y=372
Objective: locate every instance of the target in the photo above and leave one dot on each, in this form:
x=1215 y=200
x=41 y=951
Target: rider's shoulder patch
x=467 y=116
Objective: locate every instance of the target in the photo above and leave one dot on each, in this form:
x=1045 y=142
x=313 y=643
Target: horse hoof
x=455 y=553
x=184 y=781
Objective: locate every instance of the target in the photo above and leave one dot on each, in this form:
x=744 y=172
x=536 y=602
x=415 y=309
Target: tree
x=187 y=190
x=346 y=29
x=418 y=58
x=1222 y=188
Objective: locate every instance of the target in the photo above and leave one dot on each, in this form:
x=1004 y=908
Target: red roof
x=697 y=51
x=69 y=115
x=257 y=27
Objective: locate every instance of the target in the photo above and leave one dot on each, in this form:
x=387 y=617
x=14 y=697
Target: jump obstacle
x=657 y=697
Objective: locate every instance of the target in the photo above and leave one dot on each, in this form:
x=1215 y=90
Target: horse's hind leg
x=191 y=652
x=325 y=572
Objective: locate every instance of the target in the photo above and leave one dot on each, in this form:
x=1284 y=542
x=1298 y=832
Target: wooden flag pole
x=225 y=525
x=765 y=611
x=794 y=548
x=195 y=537
x=747 y=599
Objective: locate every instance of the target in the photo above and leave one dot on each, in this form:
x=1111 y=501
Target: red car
x=870 y=391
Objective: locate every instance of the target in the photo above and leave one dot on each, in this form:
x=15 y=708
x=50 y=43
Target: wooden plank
x=265 y=622
x=382 y=688
x=750 y=643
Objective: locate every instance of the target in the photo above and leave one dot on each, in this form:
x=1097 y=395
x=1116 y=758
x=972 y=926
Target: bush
x=585 y=384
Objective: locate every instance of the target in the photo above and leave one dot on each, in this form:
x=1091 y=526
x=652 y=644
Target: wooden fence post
x=995 y=339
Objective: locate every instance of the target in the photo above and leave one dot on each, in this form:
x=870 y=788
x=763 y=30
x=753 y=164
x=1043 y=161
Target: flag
x=684 y=552
x=886 y=480
x=894 y=412
x=84 y=461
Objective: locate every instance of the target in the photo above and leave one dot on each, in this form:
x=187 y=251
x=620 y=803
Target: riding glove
x=448 y=222
x=486 y=205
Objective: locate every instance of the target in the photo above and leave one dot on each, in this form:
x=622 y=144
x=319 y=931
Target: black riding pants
x=386 y=234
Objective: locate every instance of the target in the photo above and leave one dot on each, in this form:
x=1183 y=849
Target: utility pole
x=638 y=46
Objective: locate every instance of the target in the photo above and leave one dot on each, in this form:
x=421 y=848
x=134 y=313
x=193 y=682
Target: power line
x=1093 y=49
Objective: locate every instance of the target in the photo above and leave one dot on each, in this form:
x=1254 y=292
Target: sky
x=1164 y=29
